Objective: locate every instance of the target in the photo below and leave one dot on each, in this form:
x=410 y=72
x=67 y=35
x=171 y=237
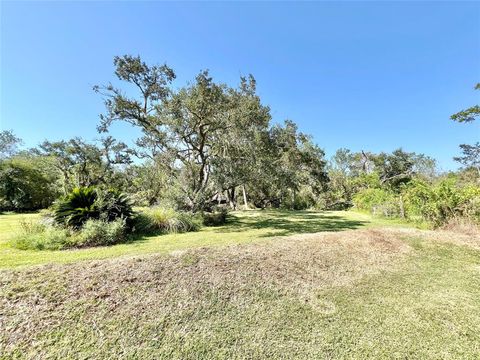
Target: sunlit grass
x=243 y=227
x=371 y=293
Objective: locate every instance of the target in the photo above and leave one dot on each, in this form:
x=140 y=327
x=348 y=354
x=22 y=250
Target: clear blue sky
x=362 y=75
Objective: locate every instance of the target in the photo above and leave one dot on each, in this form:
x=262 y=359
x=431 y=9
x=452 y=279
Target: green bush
x=24 y=187
x=36 y=236
x=142 y=224
x=87 y=203
x=379 y=202
x=443 y=202
x=113 y=204
x=166 y=220
x=215 y=218
x=100 y=233
x=77 y=207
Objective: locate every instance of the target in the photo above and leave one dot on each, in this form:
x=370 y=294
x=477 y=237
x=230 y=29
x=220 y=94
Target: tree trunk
x=245 y=197
x=234 y=199
x=402 y=209
x=231 y=198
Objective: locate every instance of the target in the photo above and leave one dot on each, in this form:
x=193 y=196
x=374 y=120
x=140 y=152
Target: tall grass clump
x=33 y=235
x=160 y=219
x=101 y=233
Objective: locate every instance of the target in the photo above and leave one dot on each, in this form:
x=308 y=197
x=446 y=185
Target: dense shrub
x=215 y=218
x=379 y=202
x=77 y=207
x=100 y=232
x=24 y=187
x=113 y=204
x=87 y=203
x=167 y=220
x=143 y=224
x=37 y=236
x=441 y=203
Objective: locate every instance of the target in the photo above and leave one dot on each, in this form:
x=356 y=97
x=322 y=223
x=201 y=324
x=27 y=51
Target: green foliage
x=77 y=207
x=469 y=114
x=216 y=217
x=379 y=202
x=87 y=203
x=38 y=236
x=24 y=186
x=160 y=219
x=445 y=201
x=8 y=143
x=34 y=235
x=113 y=204
x=470 y=156
x=101 y=233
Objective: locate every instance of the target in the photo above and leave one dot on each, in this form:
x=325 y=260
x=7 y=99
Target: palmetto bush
x=77 y=207
x=113 y=204
x=87 y=203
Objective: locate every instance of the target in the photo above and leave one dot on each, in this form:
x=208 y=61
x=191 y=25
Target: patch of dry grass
x=463 y=236
x=325 y=295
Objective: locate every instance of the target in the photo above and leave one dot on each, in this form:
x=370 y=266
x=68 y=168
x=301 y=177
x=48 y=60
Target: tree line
x=207 y=144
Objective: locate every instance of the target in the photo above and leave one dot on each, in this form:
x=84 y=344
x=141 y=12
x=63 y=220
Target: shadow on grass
x=283 y=223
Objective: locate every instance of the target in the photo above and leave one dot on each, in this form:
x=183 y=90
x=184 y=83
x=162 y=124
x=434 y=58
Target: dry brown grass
x=370 y=293
x=468 y=235
x=39 y=300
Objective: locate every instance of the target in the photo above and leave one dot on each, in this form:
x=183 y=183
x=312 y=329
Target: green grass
x=369 y=293
x=243 y=227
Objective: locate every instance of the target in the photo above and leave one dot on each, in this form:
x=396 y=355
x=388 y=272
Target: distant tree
x=81 y=164
x=241 y=145
x=152 y=85
x=400 y=166
x=471 y=153
x=470 y=156
x=24 y=185
x=194 y=131
x=468 y=115
x=8 y=143
x=291 y=171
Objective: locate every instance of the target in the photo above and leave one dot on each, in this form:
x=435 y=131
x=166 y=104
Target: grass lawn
x=282 y=290
x=243 y=227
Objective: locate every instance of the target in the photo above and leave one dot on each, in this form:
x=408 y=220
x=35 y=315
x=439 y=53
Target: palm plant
x=77 y=207
x=89 y=203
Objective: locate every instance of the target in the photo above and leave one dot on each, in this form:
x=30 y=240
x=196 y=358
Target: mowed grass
x=243 y=227
x=368 y=292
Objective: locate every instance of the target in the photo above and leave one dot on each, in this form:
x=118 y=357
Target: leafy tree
x=400 y=166
x=194 y=131
x=24 y=186
x=471 y=153
x=241 y=145
x=8 y=143
x=470 y=156
x=469 y=114
x=290 y=164
x=81 y=164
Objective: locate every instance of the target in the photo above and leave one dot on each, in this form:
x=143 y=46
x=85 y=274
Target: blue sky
x=362 y=75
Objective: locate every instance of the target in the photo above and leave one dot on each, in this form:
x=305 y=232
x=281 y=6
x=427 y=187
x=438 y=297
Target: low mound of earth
x=325 y=295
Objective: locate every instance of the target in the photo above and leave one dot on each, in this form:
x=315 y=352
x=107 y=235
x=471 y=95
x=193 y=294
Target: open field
x=371 y=291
